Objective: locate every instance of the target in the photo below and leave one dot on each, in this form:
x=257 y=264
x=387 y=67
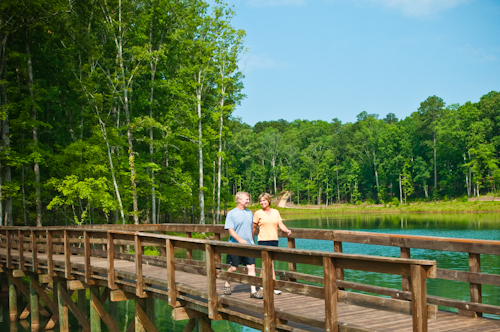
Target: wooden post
x=95 y=319
x=211 y=282
x=63 y=307
x=405 y=280
x=35 y=315
x=21 y=249
x=139 y=286
x=12 y=298
x=34 y=253
x=337 y=247
x=268 y=289
x=419 y=298
x=49 y=251
x=475 y=289
x=330 y=282
x=67 y=256
x=189 y=252
x=172 y=289
x=86 y=254
x=111 y=262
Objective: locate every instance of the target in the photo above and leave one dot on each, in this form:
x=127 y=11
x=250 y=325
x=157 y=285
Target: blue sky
x=326 y=59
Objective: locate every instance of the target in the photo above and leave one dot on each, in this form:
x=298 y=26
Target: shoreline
x=417 y=208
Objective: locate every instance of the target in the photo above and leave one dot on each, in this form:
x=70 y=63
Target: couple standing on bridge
x=242 y=224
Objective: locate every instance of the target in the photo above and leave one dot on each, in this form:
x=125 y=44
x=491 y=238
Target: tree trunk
x=36 y=166
x=219 y=157
x=327 y=193
x=338 y=184
x=25 y=217
x=400 y=190
x=435 y=165
x=201 y=196
x=1 y=193
x=319 y=195
x=376 y=174
x=115 y=184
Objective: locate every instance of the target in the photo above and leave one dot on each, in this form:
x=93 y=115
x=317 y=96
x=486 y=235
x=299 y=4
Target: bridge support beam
x=144 y=315
x=60 y=285
x=12 y=298
x=35 y=317
x=95 y=319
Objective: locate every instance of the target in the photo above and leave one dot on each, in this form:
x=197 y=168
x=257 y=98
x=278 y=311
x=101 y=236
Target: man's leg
x=231 y=269
x=251 y=272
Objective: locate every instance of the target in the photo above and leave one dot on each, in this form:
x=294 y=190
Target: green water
x=474 y=226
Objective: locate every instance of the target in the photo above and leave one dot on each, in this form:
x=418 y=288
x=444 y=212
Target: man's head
x=242 y=199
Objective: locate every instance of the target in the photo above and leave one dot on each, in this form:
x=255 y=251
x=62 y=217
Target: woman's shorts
x=268 y=243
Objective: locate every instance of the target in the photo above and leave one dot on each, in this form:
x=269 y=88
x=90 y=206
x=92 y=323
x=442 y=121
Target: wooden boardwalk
x=299 y=308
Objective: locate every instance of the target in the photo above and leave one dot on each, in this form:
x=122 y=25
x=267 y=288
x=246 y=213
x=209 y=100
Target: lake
x=473 y=226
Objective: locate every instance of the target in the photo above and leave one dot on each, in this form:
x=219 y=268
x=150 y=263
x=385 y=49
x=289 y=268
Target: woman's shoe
x=227 y=290
x=256 y=295
x=277 y=292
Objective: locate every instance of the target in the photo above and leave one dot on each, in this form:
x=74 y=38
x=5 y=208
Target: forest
x=121 y=111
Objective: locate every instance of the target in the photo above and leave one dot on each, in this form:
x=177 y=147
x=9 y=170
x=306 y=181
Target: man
x=239 y=223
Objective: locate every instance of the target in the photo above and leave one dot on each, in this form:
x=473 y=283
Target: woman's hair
x=266 y=196
x=240 y=194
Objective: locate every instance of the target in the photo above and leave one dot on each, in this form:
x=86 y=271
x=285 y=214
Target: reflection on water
x=474 y=226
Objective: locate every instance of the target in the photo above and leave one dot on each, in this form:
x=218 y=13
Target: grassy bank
x=421 y=207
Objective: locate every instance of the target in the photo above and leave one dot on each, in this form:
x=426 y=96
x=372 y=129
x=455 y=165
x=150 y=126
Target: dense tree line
x=120 y=111
x=437 y=152
x=113 y=110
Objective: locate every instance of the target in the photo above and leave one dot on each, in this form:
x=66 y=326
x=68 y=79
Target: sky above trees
x=325 y=59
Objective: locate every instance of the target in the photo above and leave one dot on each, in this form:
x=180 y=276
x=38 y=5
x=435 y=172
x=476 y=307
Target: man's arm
x=235 y=236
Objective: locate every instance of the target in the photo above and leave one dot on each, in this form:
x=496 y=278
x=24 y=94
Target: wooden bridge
x=98 y=258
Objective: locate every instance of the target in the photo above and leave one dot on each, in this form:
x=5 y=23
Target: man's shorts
x=237 y=260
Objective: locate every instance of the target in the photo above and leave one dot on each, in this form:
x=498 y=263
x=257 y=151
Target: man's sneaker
x=277 y=292
x=227 y=290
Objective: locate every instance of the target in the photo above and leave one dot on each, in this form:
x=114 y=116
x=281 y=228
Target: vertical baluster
x=337 y=247
x=268 y=291
x=139 y=289
x=189 y=252
x=67 y=256
x=172 y=289
x=21 y=249
x=87 y=254
x=8 y=246
x=49 y=250
x=475 y=289
x=217 y=255
x=405 y=280
x=34 y=252
x=330 y=282
x=111 y=262
x=419 y=298
x=211 y=282
x=292 y=267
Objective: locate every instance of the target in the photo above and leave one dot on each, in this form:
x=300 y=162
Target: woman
x=268 y=220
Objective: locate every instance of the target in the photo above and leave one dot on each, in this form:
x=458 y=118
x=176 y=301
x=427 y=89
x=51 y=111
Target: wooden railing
x=473 y=247
x=33 y=243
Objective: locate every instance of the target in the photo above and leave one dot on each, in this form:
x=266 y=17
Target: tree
x=429 y=114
